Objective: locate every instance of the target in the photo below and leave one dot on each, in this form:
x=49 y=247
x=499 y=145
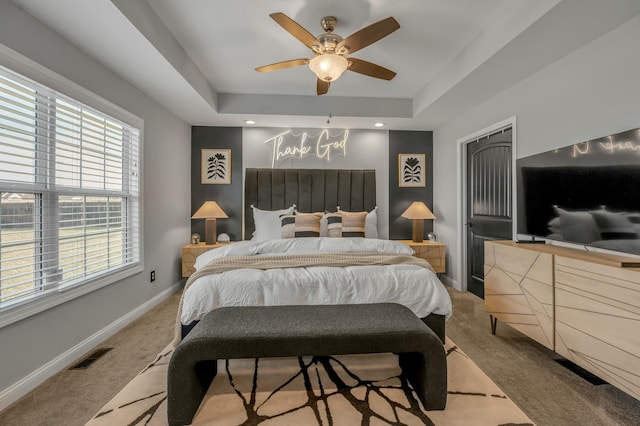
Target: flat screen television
x=587 y=193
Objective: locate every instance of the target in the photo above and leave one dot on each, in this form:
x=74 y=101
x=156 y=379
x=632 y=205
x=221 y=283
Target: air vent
x=84 y=363
x=594 y=380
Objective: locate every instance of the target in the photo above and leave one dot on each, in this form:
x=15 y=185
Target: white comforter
x=413 y=286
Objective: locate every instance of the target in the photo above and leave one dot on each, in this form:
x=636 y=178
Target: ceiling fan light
x=329 y=66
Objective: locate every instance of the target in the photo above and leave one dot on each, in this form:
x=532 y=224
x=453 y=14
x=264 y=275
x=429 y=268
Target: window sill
x=20 y=311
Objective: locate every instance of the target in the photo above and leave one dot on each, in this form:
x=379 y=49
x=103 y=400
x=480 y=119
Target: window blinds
x=69 y=188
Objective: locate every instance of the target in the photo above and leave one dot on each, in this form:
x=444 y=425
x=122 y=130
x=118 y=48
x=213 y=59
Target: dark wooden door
x=489 y=201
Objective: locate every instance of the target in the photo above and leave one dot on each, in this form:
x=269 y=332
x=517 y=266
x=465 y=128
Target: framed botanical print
x=411 y=170
x=216 y=166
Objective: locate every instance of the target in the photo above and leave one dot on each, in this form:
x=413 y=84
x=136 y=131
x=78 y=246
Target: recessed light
x=249 y=122
x=378 y=124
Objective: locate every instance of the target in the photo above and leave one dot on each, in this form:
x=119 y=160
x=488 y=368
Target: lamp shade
x=329 y=66
x=418 y=210
x=210 y=209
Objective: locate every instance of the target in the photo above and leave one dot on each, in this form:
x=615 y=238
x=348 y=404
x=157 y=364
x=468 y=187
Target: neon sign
x=577 y=150
x=610 y=146
x=620 y=146
x=289 y=145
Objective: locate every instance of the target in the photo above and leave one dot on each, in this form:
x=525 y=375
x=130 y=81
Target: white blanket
x=413 y=286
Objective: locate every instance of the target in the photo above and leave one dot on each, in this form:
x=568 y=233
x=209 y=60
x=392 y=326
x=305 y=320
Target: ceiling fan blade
x=322 y=87
x=295 y=30
x=283 y=65
x=370 y=69
x=368 y=35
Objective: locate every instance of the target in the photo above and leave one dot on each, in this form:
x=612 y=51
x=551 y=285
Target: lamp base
x=210 y=231
x=418 y=230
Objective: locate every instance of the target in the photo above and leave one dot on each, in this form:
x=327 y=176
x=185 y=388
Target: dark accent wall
x=408 y=142
x=228 y=197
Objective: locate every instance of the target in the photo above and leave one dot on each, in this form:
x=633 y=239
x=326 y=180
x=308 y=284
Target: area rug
x=338 y=390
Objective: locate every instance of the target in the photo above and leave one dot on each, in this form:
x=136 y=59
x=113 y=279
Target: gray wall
x=589 y=93
x=228 y=197
x=407 y=142
x=29 y=344
x=365 y=149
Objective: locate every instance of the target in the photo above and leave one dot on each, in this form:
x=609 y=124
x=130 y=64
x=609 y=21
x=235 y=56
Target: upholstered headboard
x=311 y=190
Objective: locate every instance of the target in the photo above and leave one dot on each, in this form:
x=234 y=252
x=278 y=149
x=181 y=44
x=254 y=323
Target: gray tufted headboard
x=311 y=190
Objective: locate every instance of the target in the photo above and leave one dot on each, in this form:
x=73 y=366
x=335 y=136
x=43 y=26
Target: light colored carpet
x=340 y=390
x=547 y=392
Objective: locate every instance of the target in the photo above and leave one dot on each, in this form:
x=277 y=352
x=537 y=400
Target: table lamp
x=418 y=211
x=210 y=211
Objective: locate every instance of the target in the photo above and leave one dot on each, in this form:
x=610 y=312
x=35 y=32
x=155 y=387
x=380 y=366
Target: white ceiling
x=197 y=57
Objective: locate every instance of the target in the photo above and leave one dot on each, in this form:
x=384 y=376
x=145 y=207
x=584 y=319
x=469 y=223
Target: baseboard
x=446 y=279
x=16 y=391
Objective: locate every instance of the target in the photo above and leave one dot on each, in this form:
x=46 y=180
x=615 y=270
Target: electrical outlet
x=153 y=276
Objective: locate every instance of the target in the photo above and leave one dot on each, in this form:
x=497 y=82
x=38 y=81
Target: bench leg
x=187 y=383
x=427 y=373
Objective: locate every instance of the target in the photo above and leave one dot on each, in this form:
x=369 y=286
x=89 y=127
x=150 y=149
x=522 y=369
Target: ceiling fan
x=330 y=50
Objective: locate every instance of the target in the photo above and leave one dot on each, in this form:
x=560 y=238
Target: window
x=69 y=193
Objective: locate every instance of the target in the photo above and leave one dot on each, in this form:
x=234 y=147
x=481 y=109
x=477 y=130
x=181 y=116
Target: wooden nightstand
x=191 y=251
x=434 y=253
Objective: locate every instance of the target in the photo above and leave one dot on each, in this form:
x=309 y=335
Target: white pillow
x=370 y=225
x=268 y=223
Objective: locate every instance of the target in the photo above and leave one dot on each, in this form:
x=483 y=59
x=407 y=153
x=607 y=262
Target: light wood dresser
x=583 y=305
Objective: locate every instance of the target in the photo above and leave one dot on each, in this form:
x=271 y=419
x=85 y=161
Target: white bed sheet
x=413 y=286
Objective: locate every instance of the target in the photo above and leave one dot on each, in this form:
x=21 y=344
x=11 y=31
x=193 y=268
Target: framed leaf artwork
x=216 y=166
x=411 y=170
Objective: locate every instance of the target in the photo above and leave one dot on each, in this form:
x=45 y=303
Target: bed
x=370 y=270
x=601 y=228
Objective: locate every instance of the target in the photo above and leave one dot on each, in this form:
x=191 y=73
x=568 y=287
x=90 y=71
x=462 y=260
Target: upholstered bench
x=322 y=330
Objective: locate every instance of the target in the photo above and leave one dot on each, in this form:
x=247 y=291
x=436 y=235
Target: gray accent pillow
x=578 y=226
x=555 y=227
x=614 y=226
